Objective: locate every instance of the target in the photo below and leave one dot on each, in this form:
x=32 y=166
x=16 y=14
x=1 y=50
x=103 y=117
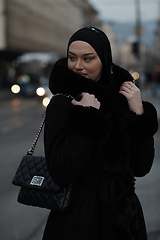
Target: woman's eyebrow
x=86 y=54
x=72 y=53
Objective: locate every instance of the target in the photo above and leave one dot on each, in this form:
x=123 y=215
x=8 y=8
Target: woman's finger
x=74 y=102
x=87 y=100
x=133 y=96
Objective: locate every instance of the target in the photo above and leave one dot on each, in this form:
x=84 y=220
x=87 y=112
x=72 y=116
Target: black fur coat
x=101 y=152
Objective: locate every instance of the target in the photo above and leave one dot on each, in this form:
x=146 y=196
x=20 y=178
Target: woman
x=99 y=139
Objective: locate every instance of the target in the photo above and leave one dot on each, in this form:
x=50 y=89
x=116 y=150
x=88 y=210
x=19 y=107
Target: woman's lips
x=82 y=74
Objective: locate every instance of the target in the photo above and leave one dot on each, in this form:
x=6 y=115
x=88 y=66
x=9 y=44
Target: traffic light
x=135 y=49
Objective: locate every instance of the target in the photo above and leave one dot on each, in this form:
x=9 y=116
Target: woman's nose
x=78 y=64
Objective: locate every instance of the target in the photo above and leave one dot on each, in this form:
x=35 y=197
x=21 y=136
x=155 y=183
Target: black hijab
x=99 y=41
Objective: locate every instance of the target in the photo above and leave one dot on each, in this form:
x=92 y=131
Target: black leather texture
x=37 y=188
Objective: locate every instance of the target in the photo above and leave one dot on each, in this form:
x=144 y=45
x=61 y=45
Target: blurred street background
x=33 y=35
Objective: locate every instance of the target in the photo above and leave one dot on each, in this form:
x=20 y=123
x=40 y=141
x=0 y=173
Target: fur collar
x=63 y=80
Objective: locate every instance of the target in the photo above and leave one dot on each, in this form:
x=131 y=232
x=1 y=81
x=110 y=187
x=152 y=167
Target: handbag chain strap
x=31 y=150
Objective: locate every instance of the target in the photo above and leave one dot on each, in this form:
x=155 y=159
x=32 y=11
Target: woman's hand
x=87 y=100
x=133 y=95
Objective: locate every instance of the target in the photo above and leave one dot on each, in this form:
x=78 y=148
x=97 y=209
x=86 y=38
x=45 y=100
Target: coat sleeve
x=70 y=135
x=141 y=130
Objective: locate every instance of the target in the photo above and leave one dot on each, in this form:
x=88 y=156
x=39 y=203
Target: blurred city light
x=15 y=88
x=157 y=68
x=40 y=91
x=45 y=101
x=25 y=78
x=135 y=75
x=15 y=63
x=16 y=102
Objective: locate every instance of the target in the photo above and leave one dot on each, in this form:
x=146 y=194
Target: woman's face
x=83 y=60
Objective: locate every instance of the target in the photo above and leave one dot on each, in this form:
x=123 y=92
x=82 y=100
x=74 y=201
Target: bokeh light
x=15 y=88
x=135 y=75
x=40 y=91
x=25 y=78
x=157 y=68
x=45 y=101
x=15 y=63
x=16 y=102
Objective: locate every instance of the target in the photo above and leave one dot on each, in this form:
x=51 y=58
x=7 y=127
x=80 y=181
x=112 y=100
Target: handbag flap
x=33 y=172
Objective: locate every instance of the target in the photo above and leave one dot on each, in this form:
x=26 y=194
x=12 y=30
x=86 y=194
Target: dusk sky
x=125 y=10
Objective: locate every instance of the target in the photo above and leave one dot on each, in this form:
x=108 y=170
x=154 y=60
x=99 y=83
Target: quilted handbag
x=37 y=188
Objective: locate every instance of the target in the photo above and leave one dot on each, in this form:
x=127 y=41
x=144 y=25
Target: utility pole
x=138 y=31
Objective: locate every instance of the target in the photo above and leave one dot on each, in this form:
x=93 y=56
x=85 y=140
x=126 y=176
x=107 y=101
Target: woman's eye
x=71 y=58
x=88 y=59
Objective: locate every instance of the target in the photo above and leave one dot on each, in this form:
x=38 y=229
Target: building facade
x=42 y=25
